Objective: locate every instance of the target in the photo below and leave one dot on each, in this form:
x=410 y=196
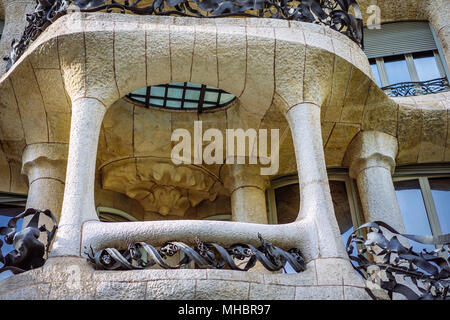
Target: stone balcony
x=84 y=63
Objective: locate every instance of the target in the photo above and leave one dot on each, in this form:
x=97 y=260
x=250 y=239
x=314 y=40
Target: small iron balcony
x=406 y=89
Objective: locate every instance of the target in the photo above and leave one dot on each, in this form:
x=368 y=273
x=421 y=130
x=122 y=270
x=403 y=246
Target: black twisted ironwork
x=28 y=252
x=205 y=255
x=335 y=14
x=426 y=274
x=406 y=89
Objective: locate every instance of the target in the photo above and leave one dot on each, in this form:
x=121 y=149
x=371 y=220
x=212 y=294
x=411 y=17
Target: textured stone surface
x=371 y=158
x=120 y=291
x=347 y=100
x=87 y=117
x=271 y=292
x=35 y=292
x=220 y=290
x=319 y=293
x=171 y=290
x=75 y=278
x=269 y=65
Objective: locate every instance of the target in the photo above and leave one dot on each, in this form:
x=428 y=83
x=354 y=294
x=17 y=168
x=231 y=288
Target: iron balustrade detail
x=205 y=255
x=389 y=265
x=28 y=252
x=336 y=14
x=406 y=89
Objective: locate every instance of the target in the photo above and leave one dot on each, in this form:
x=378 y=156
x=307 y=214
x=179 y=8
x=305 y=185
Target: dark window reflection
x=288 y=200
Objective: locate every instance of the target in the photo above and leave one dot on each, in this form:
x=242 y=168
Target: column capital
x=45 y=160
x=371 y=149
x=236 y=176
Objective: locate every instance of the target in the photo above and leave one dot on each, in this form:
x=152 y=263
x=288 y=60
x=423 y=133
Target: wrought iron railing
x=406 y=89
x=336 y=14
x=28 y=252
x=204 y=255
x=389 y=265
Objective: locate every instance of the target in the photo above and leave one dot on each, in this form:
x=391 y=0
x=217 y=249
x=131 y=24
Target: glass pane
x=190 y=105
x=138 y=98
x=7 y=248
x=211 y=96
x=174 y=93
x=158 y=91
x=440 y=189
x=287 y=200
x=192 y=95
x=142 y=91
x=426 y=66
x=341 y=208
x=374 y=67
x=415 y=219
x=396 y=69
x=225 y=98
x=157 y=102
x=173 y=104
x=195 y=85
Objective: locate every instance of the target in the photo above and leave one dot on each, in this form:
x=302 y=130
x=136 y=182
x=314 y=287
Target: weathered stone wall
x=74 y=278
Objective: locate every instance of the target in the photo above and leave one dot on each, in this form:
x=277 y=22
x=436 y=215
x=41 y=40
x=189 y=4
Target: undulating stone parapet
x=75 y=279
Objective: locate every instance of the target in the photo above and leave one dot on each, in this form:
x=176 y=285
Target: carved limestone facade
x=73 y=141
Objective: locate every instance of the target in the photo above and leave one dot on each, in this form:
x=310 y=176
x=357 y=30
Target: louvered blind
x=398 y=38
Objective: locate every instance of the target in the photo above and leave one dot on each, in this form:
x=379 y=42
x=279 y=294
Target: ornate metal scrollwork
x=28 y=251
x=205 y=255
x=406 y=89
x=387 y=264
x=335 y=14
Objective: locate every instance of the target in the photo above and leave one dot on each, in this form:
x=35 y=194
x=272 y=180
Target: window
x=182 y=96
x=10 y=206
x=423 y=195
x=405 y=59
x=113 y=215
x=2 y=24
x=284 y=201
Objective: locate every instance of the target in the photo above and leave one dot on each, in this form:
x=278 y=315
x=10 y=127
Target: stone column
x=247 y=188
x=78 y=205
x=15 y=22
x=371 y=158
x=45 y=166
x=316 y=206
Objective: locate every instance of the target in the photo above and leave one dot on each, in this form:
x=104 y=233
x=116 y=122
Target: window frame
x=202 y=102
x=423 y=174
x=117 y=212
x=336 y=174
x=384 y=79
x=439 y=58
